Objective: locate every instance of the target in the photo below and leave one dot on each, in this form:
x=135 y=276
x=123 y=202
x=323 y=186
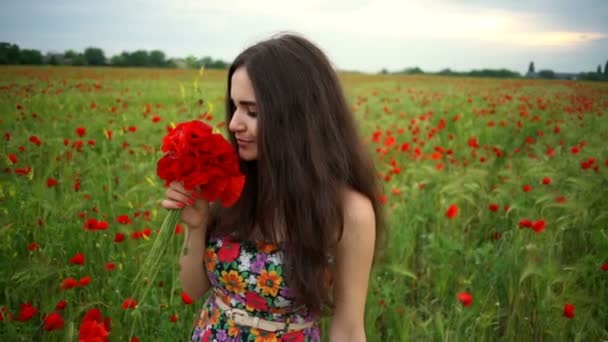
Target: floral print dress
x=249 y=276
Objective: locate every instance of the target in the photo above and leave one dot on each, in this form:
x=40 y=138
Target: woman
x=300 y=241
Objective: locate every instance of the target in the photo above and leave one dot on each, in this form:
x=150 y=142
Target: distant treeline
x=11 y=54
x=597 y=75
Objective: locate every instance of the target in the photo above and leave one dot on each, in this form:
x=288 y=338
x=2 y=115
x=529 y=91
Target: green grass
x=520 y=279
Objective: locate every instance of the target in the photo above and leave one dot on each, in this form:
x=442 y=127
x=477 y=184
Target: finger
x=175 y=195
x=168 y=204
x=179 y=186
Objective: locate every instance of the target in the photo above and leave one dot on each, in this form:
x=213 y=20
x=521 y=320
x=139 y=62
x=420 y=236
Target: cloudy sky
x=365 y=35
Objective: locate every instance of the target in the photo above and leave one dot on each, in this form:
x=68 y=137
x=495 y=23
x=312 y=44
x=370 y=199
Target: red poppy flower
x=546 y=180
x=35 y=140
x=51 y=182
x=84 y=281
x=77 y=259
x=81 y=131
x=124 y=219
x=186 y=299
x=110 y=266
x=173 y=318
x=27 y=312
x=494 y=207
x=68 y=283
x=61 y=305
x=527 y=188
x=569 y=311
x=129 y=303
x=94 y=327
x=119 y=237
x=53 y=321
x=539 y=225
x=452 y=211
x=155 y=118
x=605 y=267
x=229 y=251
x=465 y=298
x=13 y=158
x=33 y=246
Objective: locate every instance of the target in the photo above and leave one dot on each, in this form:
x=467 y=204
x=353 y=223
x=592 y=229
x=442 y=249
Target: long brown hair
x=309 y=151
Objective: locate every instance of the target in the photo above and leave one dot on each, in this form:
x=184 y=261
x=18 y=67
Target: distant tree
x=599 y=69
x=606 y=69
x=531 y=68
x=31 y=57
x=79 y=60
x=192 y=62
x=9 y=53
x=138 y=58
x=383 y=71
x=548 y=74
x=94 y=56
x=157 y=59
x=412 y=71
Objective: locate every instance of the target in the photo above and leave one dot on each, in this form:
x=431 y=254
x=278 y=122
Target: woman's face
x=244 y=119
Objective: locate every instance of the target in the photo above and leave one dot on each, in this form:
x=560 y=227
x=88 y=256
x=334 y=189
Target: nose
x=236 y=124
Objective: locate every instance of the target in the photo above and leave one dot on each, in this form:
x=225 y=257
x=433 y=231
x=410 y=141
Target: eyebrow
x=245 y=103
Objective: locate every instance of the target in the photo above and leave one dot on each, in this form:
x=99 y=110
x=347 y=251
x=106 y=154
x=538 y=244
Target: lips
x=243 y=141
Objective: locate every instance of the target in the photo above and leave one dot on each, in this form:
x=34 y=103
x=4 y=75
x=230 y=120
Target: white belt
x=241 y=317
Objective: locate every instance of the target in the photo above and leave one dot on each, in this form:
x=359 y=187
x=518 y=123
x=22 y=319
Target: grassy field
x=495 y=193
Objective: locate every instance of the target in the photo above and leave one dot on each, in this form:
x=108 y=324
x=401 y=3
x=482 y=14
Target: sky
x=363 y=35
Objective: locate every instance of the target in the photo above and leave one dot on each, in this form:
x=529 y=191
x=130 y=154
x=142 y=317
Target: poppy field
x=495 y=194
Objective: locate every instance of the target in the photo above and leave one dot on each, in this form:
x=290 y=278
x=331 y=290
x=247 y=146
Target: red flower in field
x=178 y=229
x=199 y=158
x=108 y=134
x=23 y=171
x=525 y=223
x=51 y=182
x=569 y=311
x=7 y=136
x=452 y=211
x=101 y=225
x=255 y=301
x=35 y=140
x=77 y=184
x=27 y=312
x=129 y=303
x=546 y=180
x=134 y=339
x=605 y=267
x=494 y=207
x=527 y=188
x=539 y=225
x=550 y=152
x=155 y=118
x=81 y=131
x=61 y=305
x=229 y=251
x=13 y=158
x=575 y=150
x=84 y=281
x=173 y=318
x=68 y=283
x=94 y=328
x=124 y=219
x=53 y=321
x=465 y=298
x=77 y=259
x=119 y=237
x=33 y=246
x=132 y=128
x=473 y=142
x=110 y=266
x=186 y=299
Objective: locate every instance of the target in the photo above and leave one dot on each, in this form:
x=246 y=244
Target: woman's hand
x=195 y=211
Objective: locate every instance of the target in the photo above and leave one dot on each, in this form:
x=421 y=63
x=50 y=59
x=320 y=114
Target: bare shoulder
x=359 y=216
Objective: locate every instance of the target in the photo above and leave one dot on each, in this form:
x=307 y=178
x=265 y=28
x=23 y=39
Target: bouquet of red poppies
x=205 y=163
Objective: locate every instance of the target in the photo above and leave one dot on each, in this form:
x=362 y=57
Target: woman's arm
x=354 y=257
x=192 y=273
